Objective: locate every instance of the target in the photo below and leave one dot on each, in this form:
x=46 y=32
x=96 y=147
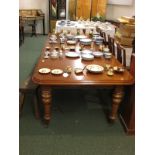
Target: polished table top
x=87 y=78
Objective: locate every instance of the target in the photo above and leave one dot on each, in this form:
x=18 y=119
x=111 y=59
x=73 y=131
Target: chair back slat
x=132 y=65
x=113 y=45
x=103 y=34
x=121 y=55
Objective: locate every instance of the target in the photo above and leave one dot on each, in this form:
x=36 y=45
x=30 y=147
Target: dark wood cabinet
x=57 y=11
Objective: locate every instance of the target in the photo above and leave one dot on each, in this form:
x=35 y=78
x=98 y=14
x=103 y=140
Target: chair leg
x=21 y=103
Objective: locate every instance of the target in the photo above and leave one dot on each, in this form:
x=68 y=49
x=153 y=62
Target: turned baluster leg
x=116 y=100
x=46 y=99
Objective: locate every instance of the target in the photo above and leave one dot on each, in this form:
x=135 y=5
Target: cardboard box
x=127 y=27
x=124 y=41
x=127 y=20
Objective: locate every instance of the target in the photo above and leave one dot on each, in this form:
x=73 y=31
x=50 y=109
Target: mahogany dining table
x=48 y=82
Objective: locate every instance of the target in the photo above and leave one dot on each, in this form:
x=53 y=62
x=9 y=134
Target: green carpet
x=79 y=127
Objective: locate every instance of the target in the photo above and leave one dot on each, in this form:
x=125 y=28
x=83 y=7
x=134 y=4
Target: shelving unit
x=57 y=11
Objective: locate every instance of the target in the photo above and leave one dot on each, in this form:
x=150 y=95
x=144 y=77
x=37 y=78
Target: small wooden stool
x=29 y=87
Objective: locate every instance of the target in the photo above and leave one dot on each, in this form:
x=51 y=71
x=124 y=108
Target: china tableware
x=87 y=57
x=72 y=48
x=86 y=41
x=69 y=36
x=54 y=54
x=71 y=42
x=110 y=73
x=72 y=54
x=86 y=51
x=46 y=57
x=106 y=49
x=57 y=71
x=80 y=37
x=47 y=48
x=107 y=55
x=98 y=54
x=118 y=69
x=44 y=70
x=93 y=68
x=78 y=70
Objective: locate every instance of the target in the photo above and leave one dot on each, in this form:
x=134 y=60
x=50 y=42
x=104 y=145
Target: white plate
x=80 y=37
x=87 y=57
x=72 y=54
x=71 y=42
x=86 y=41
x=98 y=54
x=57 y=71
x=44 y=70
x=95 y=68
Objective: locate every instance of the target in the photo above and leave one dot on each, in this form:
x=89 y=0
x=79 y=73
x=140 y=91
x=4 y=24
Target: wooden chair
x=111 y=44
x=103 y=34
x=21 y=31
x=127 y=114
x=121 y=54
x=28 y=87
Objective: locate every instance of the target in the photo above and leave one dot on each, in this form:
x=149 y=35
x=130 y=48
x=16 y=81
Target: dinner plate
x=44 y=70
x=98 y=54
x=87 y=57
x=72 y=54
x=57 y=71
x=95 y=68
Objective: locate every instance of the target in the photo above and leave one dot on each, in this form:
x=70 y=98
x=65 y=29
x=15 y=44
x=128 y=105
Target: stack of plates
x=107 y=55
x=98 y=40
x=85 y=41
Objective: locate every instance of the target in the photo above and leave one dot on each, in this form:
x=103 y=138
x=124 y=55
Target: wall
x=37 y=4
x=113 y=11
x=116 y=11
